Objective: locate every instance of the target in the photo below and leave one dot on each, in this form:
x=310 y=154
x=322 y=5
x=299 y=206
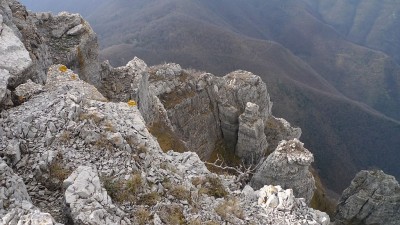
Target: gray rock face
x=252 y=141
x=130 y=82
x=15 y=203
x=237 y=89
x=88 y=202
x=278 y=129
x=373 y=197
x=30 y=43
x=288 y=166
x=274 y=197
x=71 y=42
x=4 y=92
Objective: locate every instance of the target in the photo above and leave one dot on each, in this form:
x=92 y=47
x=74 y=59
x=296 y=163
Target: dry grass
x=229 y=207
x=65 y=136
x=142 y=216
x=124 y=191
x=175 y=97
x=212 y=186
x=180 y=193
x=172 y=214
x=149 y=199
x=321 y=200
x=167 y=139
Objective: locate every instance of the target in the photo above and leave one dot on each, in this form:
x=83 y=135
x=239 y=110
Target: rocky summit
x=85 y=143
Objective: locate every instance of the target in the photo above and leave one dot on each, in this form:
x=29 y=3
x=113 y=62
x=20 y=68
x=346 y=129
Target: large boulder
x=373 y=198
x=87 y=202
x=288 y=166
x=252 y=141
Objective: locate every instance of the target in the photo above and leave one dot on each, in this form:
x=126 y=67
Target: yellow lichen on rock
x=132 y=103
x=63 y=68
x=74 y=76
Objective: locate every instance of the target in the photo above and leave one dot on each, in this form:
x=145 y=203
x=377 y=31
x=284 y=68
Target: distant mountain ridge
x=310 y=67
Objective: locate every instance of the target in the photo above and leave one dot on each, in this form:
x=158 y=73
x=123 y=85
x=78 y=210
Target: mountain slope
x=308 y=66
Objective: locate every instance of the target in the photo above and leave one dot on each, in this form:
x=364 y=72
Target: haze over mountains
x=332 y=67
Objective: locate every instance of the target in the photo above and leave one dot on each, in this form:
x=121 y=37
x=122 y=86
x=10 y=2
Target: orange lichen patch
x=74 y=76
x=63 y=68
x=132 y=103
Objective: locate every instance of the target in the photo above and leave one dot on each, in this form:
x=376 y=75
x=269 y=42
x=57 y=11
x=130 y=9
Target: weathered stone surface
x=237 y=89
x=373 y=197
x=87 y=201
x=13 y=55
x=15 y=203
x=278 y=129
x=276 y=198
x=288 y=166
x=4 y=75
x=252 y=141
x=72 y=42
x=130 y=82
x=27 y=90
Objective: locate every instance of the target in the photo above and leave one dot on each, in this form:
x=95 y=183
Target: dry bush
x=172 y=214
x=142 y=216
x=229 y=207
x=180 y=193
x=213 y=186
x=149 y=199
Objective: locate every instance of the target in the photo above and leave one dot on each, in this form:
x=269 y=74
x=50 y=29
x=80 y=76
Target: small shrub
x=142 y=216
x=65 y=136
x=229 y=207
x=135 y=183
x=180 y=193
x=63 y=68
x=150 y=199
x=108 y=126
x=172 y=214
x=214 y=187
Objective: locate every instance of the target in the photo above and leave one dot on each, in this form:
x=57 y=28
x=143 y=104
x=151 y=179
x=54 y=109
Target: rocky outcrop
x=79 y=158
x=88 y=202
x=15 y=203
x=237 y=89
x=288 y=166
x=274 y=197
x=71 y=42
x=373 y=197
x=130 y=82
x=252 y=142
x=30 y=43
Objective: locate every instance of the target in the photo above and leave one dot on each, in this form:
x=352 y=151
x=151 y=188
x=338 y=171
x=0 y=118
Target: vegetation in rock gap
x=321 y=200
x=167 y=139
x=211 y=185
x=229 y=207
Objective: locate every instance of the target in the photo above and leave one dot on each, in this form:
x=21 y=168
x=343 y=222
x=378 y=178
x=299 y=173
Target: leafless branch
x=244 y=172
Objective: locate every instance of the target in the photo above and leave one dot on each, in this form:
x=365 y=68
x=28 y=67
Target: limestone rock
x=87 y=201
x=27 y=90
x=130 y=82
x=4 y=75
x=252 y=142
x=288 y=166
x=13 y=55
x=15 y=203
x=72 y=42
x=275 y=198
x=373 y=197
x=236 y=89
x=278 y=129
